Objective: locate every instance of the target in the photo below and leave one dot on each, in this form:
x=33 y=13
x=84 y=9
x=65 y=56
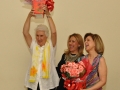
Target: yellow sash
x=35 y=62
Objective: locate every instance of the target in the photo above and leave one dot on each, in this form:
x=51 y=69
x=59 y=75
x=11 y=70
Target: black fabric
x=62 y=61
x=29 y=89
x=38 y=88
x=61 y=82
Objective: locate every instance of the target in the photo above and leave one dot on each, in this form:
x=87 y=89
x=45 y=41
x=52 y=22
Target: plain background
x=70 y=16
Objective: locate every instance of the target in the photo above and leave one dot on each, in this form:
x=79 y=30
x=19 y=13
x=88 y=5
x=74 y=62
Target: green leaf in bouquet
x=67 y=75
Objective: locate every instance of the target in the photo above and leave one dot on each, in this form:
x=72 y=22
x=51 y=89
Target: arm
x=26 y=29
x=52 y=26
x=102 y=74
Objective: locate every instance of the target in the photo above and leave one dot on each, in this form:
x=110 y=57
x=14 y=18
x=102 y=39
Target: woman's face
x=89 y=44
x=73 y=45
x=41 y=37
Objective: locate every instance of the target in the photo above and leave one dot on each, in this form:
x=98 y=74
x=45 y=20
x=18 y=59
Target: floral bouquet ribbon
x=74 y=84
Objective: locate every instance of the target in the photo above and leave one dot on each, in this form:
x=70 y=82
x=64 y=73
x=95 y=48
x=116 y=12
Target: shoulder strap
x=96 y=63
x=96 y=60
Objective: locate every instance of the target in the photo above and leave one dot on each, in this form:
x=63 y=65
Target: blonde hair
x=43 y=28
x=80 y=42
x=99 y=46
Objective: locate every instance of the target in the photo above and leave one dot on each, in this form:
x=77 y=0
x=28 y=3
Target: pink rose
x=80 y=68
x=75 y=65
x=70 y=64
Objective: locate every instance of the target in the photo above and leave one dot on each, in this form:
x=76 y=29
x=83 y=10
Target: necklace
x=71 y=57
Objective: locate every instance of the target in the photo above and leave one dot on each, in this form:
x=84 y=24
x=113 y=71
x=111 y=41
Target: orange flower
x=43 y=66
x=33 y=71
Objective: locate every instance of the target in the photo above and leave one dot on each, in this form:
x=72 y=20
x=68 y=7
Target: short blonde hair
x=43 y=28
x=80 y=42
x=99 y=46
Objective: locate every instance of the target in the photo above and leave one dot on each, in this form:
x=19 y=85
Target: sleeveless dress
x=93 y=76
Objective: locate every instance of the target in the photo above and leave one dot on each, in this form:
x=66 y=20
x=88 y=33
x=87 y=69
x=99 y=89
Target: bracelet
x=48 y=16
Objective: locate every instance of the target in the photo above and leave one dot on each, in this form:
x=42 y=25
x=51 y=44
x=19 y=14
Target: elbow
x=104 y=82
x=23 y=31
x=54 y=32
x=24 y=34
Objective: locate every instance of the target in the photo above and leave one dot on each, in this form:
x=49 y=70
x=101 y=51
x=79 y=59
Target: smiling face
x=89 y=44
x=73 y=45
x=41 y=37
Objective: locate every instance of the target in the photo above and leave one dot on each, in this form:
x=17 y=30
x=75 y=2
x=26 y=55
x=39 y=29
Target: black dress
x=61 y=82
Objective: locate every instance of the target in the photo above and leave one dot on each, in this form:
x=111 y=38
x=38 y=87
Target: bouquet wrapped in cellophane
x=38 y=4
x=75 y=74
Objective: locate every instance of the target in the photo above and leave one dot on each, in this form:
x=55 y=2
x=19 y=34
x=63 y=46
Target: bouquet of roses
x=75 y=74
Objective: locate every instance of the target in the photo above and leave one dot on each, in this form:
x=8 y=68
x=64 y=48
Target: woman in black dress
x=74 y=53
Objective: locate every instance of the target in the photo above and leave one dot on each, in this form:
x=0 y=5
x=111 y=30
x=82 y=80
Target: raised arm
x=52 y=26
x=26 y=29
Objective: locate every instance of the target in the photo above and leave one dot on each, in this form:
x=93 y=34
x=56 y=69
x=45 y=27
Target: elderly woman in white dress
x=41 y=74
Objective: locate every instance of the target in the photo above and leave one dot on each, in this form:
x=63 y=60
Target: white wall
x=70 y=16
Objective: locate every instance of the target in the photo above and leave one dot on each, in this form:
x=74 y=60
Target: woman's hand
x=31 y=13
x=46 y=11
